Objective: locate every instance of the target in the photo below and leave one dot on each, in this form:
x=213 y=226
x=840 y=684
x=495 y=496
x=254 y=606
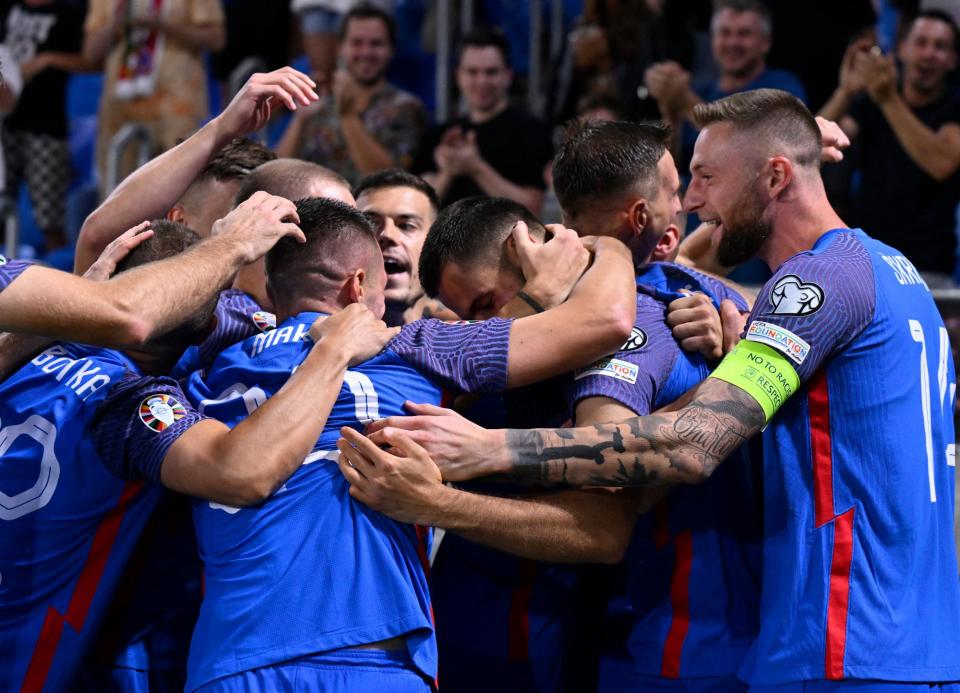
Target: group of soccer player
x=221 y=470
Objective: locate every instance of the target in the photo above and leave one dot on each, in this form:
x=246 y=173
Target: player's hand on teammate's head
x=696 y=325
x=357 y=332
x=259 y=222
x=401 y=481
x=250 y=109
x=833 y=141
x=119 y=248
x=552 y=268
x=457 y=446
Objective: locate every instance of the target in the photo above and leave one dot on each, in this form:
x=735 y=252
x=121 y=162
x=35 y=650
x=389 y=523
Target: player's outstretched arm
x=146 y=301
x=682 y=446
x=594 y=321
x=151 y=190
x=570 y=526
x=246 y=464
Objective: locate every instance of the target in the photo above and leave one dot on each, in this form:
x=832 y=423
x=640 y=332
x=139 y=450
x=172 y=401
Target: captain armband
x=762 y=372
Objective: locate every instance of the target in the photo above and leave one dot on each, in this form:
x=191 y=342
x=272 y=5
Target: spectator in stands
x=740 y=33
x=45 y=40
x=495 y=149
x=154 y=72
x=909 y=142
x=365 y=124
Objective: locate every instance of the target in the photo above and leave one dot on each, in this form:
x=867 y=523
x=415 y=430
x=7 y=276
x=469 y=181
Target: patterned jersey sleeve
x=722 y=291
x=138 y=422
x=633 y=375
x=462 y=356
x=10 y=270
x=815 y=304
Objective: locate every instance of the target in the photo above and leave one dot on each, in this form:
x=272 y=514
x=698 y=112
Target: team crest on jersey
x=264 y=320
x=636 y=340
x=159 y=412
x=792 y=296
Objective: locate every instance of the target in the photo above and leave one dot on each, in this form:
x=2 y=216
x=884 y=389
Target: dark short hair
x=169 y=238
x=485 y=37
x=601 y=159
x=755 y=6
x=468 y=231
x=770 y=115
x=367 y=11
x=397 y=178
x=289 y=178
x=936 y=15
x=333 y=230
x=238 y=159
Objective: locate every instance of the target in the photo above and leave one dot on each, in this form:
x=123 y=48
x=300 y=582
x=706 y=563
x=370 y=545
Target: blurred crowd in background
x=473 y=95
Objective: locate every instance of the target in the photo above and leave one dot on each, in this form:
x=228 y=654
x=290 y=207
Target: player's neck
x=250 y=282
x=797 y=227
x=312 y=305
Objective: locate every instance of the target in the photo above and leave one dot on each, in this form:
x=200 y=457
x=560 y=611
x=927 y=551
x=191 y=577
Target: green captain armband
x=762 y=372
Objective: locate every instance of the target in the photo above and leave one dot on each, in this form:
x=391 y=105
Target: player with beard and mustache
x=859 y=579
x=364 y=124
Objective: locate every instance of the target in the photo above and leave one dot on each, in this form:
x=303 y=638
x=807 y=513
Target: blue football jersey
x=70 y=516
x=10 y=270
x=236 y=317
x=311 y=570
x=859 y=568
x=694 y=561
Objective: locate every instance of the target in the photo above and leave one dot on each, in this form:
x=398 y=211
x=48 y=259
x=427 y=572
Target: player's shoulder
x=10 y=270
x=696 y=280
x=241 y=307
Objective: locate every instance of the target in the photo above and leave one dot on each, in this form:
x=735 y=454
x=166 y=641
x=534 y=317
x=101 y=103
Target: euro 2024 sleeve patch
x=264 y=320
x=159 y=412
x=792 y=296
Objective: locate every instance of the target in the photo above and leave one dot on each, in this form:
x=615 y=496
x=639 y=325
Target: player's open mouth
x=393 y=266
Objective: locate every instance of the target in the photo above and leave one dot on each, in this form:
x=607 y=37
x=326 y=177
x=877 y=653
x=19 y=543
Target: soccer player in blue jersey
x=259 y=627
x=845 y=363
x=694 y=565
x=77 y=419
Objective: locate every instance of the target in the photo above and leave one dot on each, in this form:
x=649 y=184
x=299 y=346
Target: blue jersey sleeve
x=816 y=304
x=138 y=422
x=634 y=375
x=10 y=270
x=461 y=356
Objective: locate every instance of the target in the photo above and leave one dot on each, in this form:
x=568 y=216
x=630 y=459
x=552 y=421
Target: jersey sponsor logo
x=637 y=340
x=611 y=368
x=792 y=296
x=780 y=339
x=159 y=412
x=264 y=320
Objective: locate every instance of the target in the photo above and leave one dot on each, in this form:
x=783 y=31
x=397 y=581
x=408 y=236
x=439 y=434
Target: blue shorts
x=616 y=676
x=341 y=671
x=858 y=685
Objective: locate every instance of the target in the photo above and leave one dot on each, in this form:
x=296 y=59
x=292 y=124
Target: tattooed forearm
x=681 y=446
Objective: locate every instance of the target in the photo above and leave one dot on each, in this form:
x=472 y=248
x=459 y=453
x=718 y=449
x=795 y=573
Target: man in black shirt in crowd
x=45 y=38
x=909 y=142
x=495 y=149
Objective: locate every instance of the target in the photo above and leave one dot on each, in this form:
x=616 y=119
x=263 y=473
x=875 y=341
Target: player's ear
x=353 y=287
x=668 y=246
x=638 y=216
x=176 y=214
x=779 y=175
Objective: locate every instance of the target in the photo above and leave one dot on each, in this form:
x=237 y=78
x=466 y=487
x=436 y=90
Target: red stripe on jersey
x=680 y=604
x=42 y=658
x=818 y=401
x=43 y=653
x=838 y=606
x=518 y=620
